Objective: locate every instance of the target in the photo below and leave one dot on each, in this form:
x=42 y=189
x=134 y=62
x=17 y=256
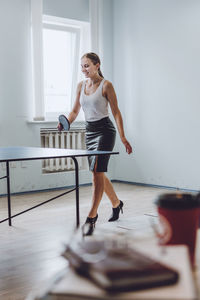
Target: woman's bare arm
x=76 y=107
x=109 y=93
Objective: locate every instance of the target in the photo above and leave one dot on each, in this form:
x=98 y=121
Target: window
x=64 y=41
x=60 y=52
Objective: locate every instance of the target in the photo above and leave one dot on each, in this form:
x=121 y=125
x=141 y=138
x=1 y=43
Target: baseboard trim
x=155 y=186
x=114 y=180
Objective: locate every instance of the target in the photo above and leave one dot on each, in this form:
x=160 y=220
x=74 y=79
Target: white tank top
x=95 y=106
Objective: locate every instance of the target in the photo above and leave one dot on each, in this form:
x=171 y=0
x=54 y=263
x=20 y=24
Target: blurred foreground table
x=68 y=285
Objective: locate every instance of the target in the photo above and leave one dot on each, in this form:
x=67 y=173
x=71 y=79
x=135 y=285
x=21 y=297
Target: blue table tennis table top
x=33 y=153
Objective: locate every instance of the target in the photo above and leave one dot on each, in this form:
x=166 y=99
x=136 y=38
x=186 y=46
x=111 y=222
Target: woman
x=93 y=95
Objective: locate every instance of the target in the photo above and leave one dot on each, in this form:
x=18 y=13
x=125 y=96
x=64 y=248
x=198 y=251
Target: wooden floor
x=30 y=249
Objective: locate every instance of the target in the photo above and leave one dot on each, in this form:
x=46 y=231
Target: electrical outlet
x=23 y=164
x=13 y=164
x=3 y=166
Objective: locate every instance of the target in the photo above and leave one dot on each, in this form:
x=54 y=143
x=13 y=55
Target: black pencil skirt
x=100 y=135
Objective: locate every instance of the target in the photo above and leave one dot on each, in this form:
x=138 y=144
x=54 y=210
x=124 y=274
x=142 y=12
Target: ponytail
x=100 y=73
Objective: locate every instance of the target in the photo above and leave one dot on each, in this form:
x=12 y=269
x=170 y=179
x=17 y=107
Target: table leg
x=77 y=192
x=8 y=193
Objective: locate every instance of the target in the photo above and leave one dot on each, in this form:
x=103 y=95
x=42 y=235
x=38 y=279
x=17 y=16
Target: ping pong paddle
x=64 y=122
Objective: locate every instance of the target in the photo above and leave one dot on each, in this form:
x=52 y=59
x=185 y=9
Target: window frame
x=83 y=33
x=77 y=31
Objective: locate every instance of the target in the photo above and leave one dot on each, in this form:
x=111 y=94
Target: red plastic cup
x=179 y=218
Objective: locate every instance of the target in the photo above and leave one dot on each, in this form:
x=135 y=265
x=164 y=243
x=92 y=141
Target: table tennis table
x=11 y=154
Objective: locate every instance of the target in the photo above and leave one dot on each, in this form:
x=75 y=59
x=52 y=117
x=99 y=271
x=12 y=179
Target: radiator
x=73 y=139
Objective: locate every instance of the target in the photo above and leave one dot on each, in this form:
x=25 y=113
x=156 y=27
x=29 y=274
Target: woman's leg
x=100 y=184
x=117 y=204
x=98 y=189
x=110 y=192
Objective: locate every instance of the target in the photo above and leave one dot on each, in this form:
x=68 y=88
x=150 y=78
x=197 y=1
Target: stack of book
x=117 y=269
x=104 y=272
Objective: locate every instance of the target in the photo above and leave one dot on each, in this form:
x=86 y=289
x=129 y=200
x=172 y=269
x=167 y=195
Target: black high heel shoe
x=89 y=226
x=116 y=211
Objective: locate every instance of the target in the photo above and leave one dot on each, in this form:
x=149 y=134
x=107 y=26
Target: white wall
x=16 y=88
x=151 y=53
x=106 y=37
x=15 y=84
x=73 y=9
x=106 y=56
x=16 y=100
x=156 y=75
